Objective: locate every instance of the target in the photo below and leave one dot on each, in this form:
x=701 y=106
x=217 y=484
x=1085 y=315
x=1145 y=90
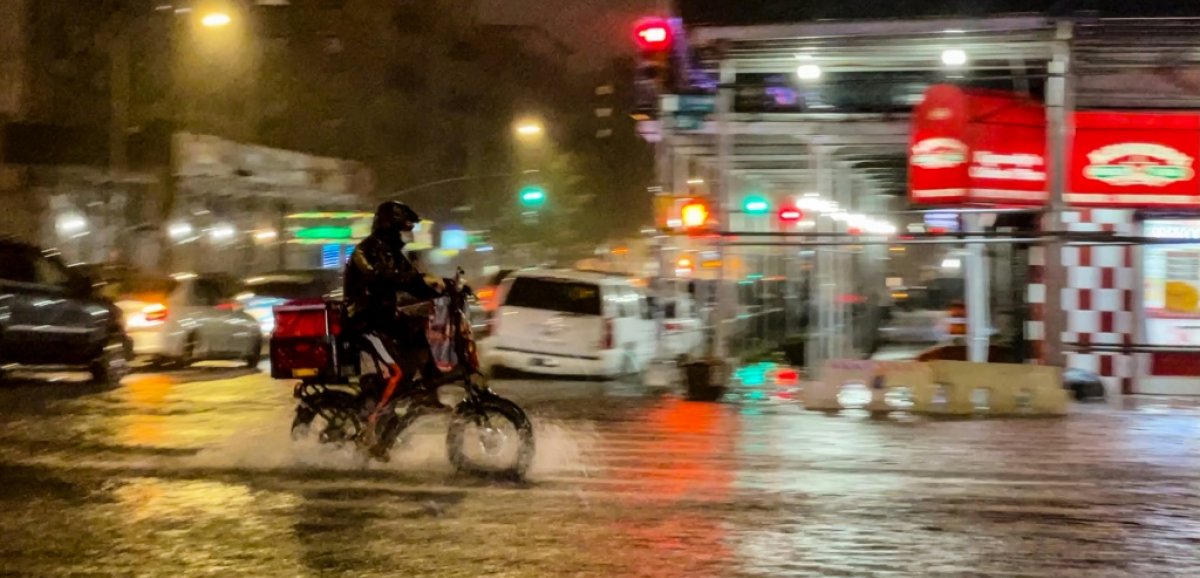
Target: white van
x=574 y=323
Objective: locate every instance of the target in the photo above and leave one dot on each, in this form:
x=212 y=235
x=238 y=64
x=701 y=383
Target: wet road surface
x=194 y=474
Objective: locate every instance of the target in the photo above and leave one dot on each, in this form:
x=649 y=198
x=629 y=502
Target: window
x=50 y=273
x=15 y=265
x=1171 y=297
x=628 y=301
x=211 y=292
x=554 y=295
x=670 y=310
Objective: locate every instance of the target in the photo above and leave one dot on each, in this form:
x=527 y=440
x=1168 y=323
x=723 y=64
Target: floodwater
x=195 y=474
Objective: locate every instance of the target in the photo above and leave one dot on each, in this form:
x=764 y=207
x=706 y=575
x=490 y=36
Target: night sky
x=599 y=29
x=596 y=29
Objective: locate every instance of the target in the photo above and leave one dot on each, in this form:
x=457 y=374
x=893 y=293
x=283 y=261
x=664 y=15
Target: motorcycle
x=488 y=434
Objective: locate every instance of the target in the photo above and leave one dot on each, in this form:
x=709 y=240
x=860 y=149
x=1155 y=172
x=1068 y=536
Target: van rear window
x=554 y=295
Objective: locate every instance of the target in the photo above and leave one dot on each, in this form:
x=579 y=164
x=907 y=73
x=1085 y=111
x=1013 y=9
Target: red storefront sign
x=977 y=146
x=1007 y=136
x=990 y=147
x=1135 y=159
x=937 y=155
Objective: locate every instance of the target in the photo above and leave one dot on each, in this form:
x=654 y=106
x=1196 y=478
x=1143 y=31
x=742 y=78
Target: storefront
x=1170 y=308
x=1132 y=311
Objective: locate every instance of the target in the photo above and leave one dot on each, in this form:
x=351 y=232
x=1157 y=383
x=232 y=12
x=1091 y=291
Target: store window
x=1172 y=284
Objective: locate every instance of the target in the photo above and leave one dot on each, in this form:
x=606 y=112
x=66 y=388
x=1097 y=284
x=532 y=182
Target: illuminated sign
x=939 y=153
x=1130 y=164
x=313 y=233
x=454 y=239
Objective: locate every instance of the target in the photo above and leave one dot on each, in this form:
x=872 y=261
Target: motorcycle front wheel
x=490 y=437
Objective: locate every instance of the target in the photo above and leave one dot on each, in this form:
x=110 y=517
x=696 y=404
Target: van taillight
x=156 y=312
x=607 y=341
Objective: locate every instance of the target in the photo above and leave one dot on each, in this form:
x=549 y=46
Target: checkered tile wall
x=1098 y=298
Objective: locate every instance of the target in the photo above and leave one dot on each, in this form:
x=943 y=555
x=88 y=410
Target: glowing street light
x=180 y=230
x=71 y=225
x=954 y=57
x=216 y=20
x=222 y=233
x=529 y=128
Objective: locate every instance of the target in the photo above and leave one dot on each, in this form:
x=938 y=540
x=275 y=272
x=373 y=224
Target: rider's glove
x=436 y=283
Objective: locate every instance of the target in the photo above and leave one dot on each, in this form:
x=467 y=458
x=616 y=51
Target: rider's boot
x=388 y=430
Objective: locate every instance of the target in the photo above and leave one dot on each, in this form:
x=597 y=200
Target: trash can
x=705 y=380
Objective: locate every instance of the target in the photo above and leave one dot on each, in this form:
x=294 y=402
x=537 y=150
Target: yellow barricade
x=1004 y=383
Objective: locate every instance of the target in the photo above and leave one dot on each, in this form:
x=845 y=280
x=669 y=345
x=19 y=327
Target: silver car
x=187 y=318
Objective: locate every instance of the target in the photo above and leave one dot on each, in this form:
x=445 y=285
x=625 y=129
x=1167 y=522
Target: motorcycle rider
x=377 y=277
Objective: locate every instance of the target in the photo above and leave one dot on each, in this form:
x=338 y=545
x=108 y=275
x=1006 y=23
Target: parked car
x=683 y=331
x=561 y=322
x=51 y=315
x=262 y=293
x=186 y=318
x=489 y=293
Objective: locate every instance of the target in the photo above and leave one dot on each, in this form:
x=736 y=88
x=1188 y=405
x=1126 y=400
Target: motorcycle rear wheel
x=339 y=413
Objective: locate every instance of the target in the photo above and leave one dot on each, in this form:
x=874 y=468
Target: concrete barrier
x=822 y=394
x=1006 y=384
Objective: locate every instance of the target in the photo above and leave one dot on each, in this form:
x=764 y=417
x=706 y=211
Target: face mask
x=406 y=237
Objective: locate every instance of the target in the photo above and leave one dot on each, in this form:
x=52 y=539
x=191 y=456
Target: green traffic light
x=533 y=196
x=756 y=205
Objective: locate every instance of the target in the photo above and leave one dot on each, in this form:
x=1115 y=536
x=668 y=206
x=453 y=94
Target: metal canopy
x=1126 y=62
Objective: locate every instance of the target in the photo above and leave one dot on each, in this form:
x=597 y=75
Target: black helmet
x=394 y=216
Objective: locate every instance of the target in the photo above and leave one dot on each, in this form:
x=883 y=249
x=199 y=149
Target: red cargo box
x=305 y=343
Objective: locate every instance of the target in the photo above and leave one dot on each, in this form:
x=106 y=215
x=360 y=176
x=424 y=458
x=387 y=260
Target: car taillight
x=673 y=326
x=156 y=312
x=606 y=342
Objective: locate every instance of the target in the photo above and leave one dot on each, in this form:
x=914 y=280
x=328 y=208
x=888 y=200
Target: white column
x=821 y=288
x=978 y=294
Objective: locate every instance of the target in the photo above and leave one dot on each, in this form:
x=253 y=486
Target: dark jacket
x=377 y=277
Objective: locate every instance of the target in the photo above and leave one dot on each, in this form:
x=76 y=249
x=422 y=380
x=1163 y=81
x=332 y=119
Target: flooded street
x=195 y=474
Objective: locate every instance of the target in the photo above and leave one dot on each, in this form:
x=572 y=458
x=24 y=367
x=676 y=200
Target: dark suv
x=51 y=316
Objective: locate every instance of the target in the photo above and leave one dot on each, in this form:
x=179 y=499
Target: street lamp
x=954 y=57
x=215 y=20
x=529 y=128
x=808 y=72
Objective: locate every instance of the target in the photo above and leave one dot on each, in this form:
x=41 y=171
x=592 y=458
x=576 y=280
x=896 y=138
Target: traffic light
x=654 y=38
x=755 y=205
x=533 y=196
x=790 y=215
x=653 y=35
x=694 y=215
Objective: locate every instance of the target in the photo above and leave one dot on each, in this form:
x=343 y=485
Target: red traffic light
x=791 y=215
x=694 y=215
x=653 y=35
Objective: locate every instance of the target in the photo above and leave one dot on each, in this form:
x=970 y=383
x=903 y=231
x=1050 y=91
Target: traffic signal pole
x=723 y=200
